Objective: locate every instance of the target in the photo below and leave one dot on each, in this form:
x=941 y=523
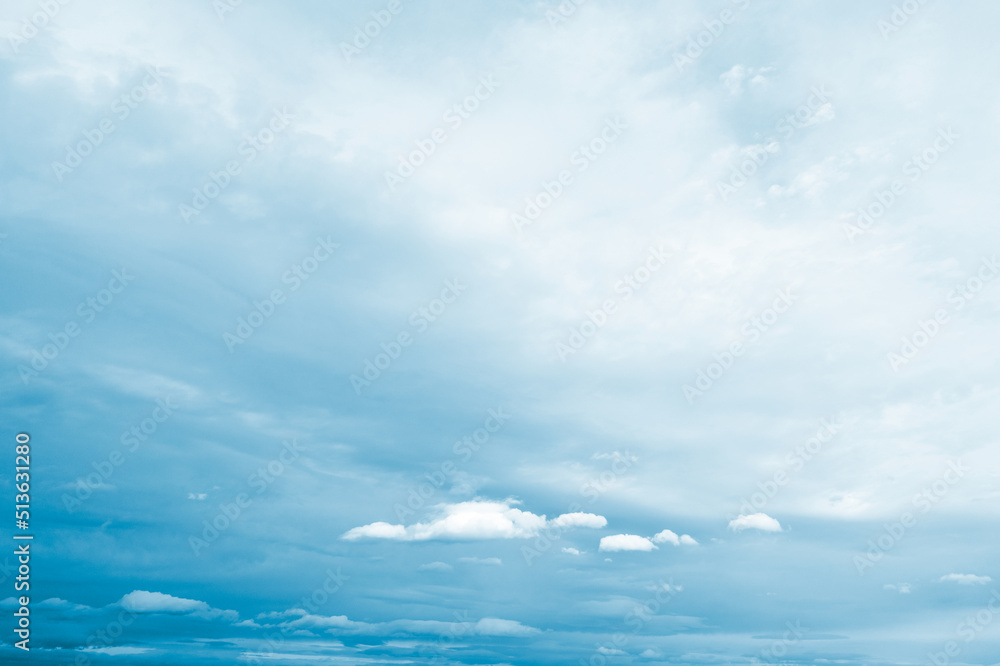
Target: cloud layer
x=477 y=519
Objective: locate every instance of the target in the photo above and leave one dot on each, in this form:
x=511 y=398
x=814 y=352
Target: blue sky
x=503 y=333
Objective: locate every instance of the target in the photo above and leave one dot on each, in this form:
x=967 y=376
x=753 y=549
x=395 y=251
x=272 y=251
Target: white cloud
x=571 y=551
x=733 y=78
x=476 y=519
x=756 y=521
x=141 y=601
x=965 y=579
x=669 y=536
x=298 y=620
x=579 y=520
x=902 y=588
x=378 y=530
x=489 y=561
x=491 y=626
x=619 y=542
x=197 y=496
x=435 y=566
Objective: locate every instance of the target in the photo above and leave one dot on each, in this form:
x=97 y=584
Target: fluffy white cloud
x=965 y=579
x=669 y=536
x=579 y=520
x=571 y=551
x=476 y=519
x=378 y=530
x=620 y=542
x=756 y=521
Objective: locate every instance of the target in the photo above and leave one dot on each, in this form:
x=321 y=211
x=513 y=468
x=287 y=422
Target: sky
x=502 y=333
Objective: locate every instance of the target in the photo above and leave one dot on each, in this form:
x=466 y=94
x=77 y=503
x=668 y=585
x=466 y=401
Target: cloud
x=615 y=455
x=491 y=626
x=378 y=530
x=141 y=601
x=902 y=588
x=571 y=551
x=299 y=620
x=490 y=561
x=476 y=519
x=756 y=521
x=63 y=606
x=669 y=536
x=117 y=650
x=579 y=520
x=435 y=566
x=734 y=77
x=619 y=542
x=197 y=496
x=666 y=587
x=965 y=579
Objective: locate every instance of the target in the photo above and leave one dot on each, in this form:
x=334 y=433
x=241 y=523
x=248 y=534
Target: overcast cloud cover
x=505 y=333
